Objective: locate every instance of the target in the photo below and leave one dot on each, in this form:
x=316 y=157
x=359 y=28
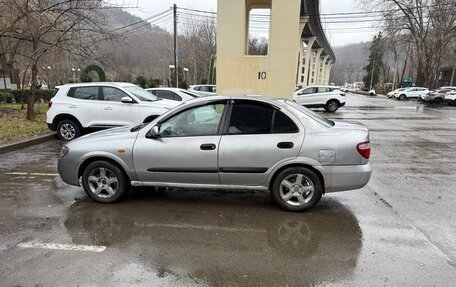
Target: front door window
x=198 y=121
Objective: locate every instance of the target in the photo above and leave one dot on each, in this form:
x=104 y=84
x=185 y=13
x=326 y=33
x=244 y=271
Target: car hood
x=167 y=104
x=107 y=135
x=349 y=125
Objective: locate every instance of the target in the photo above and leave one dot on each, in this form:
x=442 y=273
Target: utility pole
x=395 y=73
x=372 y=73
x=176 y=52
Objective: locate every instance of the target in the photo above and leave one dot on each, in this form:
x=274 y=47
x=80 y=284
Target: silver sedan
x=246 y=143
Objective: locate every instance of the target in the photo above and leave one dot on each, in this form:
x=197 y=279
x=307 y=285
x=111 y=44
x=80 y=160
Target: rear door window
x=252 y=118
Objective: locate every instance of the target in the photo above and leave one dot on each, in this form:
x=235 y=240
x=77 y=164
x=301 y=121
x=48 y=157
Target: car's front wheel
x=297 y=189
x=68 y=130
x=332 y=106
x=402 y=97
x=104 y=182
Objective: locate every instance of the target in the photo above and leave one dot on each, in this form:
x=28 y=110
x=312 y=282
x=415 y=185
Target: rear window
x=322 y=120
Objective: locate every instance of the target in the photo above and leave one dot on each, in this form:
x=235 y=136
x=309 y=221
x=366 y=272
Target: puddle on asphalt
x=238 y=238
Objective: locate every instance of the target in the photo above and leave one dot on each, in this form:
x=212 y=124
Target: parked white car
x=328 y=97
x=77 y=108
x=173 y=94
x=450 y=98
x=411 y=93
x=203 y=90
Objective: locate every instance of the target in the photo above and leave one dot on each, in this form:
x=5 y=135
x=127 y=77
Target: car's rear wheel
x=104 y=182
x=68 y=130
x=297 y=189
x=402 y=97
x=438 y=101
x=332 y=106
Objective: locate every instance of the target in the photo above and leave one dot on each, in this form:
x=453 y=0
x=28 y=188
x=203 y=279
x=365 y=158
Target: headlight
x=64 y=151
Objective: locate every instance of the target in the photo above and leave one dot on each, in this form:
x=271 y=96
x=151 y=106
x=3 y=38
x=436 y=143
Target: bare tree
x=44 y=26
x=428 y=25
x=198 y=43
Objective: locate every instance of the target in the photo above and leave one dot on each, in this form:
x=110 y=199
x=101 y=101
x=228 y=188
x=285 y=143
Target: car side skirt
x=194 y=185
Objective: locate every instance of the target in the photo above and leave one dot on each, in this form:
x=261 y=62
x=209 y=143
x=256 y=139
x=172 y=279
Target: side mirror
x=127 y=100
x=153 y=133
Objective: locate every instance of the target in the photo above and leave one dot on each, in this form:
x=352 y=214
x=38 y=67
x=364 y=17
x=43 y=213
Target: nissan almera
x=245 y=143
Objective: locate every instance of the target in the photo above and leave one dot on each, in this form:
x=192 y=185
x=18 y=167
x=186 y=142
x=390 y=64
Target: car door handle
x=207 y=146
x=285 y=145
x=72 y=106
x=108 y=109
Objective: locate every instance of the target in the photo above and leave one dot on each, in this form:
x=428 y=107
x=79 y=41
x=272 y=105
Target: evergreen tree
x=375 y=65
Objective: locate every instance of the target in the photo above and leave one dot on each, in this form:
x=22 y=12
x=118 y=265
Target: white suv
x=80 y=107
x=328 y=97
x=450 y=98
x=409 y=93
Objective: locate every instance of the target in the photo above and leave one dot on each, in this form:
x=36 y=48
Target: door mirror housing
x=127 y=100
x=153 y=133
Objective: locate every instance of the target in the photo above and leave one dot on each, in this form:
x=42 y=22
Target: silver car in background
x=246 y=143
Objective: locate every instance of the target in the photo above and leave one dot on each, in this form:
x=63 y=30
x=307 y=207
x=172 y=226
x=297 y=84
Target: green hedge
x=22 y=96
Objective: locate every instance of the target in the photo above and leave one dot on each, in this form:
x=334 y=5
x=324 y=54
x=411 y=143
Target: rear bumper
x=347 y=177
x=52 y=127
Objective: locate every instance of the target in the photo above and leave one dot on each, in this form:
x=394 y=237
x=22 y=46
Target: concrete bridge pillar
x=305 y=60
x=322 y=70
x=314 y=66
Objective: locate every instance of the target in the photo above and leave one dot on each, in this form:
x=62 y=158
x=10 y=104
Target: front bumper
x=68 y=170
x=346 y=177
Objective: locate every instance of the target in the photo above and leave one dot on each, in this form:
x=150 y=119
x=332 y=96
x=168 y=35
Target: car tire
x=104 y=182
x=332 y=106
x=438 y=101
x=402 y=97
x=297 y=189
x=68 y=130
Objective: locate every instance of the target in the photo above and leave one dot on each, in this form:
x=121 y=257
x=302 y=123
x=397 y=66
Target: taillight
x=50 y=104
x=364 y=149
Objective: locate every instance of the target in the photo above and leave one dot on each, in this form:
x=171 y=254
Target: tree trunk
x=31 y=97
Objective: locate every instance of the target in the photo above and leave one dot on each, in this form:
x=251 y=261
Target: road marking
x=31 y=173
x=55 y=246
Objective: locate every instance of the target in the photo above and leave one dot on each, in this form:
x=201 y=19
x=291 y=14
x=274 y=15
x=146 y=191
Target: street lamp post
x=171 y=69
x=185 y=74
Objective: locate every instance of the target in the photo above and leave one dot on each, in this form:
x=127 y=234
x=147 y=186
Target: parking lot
x=398 y=230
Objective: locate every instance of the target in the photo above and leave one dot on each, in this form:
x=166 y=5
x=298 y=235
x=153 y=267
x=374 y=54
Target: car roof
x=259 y=98
x=321 y=86
x=115 y=84
x=164 y=88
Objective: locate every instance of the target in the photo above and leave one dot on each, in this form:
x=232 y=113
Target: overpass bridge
x=297 y=52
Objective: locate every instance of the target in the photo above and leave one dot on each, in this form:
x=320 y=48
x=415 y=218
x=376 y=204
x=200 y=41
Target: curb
x=26 y=143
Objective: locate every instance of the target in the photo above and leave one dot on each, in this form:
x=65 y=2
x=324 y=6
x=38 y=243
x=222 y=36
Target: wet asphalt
x=399 y=230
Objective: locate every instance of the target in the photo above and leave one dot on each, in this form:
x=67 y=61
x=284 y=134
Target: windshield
x=141 y=94
x=322 y=120
x=190 y=94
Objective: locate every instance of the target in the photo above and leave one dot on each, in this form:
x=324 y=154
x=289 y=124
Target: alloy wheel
x=68 y=131
x=297 y=189
x=103 y=182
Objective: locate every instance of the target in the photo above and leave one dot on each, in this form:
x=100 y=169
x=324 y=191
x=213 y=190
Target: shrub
x=5 y=97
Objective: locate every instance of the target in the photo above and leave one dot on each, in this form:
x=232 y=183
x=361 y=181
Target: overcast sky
x=337 y=33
